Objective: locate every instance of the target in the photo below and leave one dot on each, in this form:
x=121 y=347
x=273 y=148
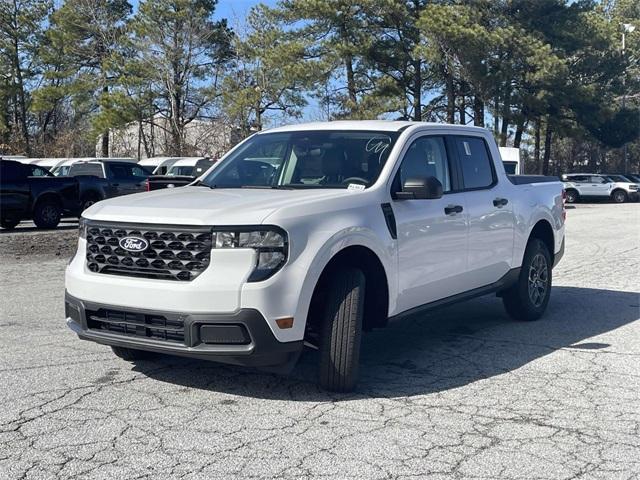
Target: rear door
x=432 y=234
x=490 y=211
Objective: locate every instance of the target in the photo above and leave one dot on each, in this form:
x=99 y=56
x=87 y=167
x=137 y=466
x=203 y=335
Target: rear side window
x=94 y=169
x=477 y=170
x=426 y=157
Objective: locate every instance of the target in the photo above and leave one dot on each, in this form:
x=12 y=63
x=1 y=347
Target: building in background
x=202 y=138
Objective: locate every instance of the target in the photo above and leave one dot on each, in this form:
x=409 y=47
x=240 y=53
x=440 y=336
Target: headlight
x=270 y=244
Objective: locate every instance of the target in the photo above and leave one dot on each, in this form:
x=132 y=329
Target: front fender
x=288 y=293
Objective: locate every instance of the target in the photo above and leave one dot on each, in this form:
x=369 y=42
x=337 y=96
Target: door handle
x=115 y=184
x=500 y=202
x=452 y=209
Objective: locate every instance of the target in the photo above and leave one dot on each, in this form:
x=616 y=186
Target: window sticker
x=355 y=186
x=467 y=148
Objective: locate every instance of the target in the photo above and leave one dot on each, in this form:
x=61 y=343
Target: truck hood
x=204 y=206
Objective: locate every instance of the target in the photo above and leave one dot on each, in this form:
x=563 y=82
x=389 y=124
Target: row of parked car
x=592 y=186
x=45 y=190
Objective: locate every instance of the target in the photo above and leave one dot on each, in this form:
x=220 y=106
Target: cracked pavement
x=461 y=393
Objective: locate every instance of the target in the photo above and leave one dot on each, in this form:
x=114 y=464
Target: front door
x=432 y=234
x=599 y=186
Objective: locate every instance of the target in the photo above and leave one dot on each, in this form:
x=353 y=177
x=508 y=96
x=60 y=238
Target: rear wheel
x=528 y=298
x=46 y=214
x=619 y=196
x=88 y=201
x=342 y=331
x=129 y=354
x=571 y=196
x=9 y=224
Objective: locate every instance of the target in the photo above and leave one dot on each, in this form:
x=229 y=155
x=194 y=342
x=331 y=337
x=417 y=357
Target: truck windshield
x=318 y=159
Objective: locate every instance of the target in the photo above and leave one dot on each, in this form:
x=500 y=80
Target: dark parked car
x=100 y=179
x=180 y=175
x=31 y=192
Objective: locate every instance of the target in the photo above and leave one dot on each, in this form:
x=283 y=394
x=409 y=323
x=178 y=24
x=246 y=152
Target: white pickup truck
x=310 y=235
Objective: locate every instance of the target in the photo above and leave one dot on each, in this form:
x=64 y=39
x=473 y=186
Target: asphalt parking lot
x=462 y=393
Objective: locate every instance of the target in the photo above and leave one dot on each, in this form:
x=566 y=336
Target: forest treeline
x=549 y=76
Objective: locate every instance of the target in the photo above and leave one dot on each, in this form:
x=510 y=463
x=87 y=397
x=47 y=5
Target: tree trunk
x=451 y=95
x=506 y=118
x=105 y=134
x=519 y=130
x=351 y=81
x=496 y=117
x=547 y=148
x=417 y=91
x=536 y=147
x=21 y=97
x=462 y=112
x=478 y=111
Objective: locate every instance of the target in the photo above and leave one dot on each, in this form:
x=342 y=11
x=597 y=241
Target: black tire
x=88 y=201
x=619 y=196
x=342 y=331
x=9 y=224
x=572 y=196
x=131 y=355
x=528 y=298
x=47 y=214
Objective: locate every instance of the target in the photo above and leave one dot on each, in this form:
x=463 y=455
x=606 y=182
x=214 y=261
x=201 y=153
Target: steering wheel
x=355 y=179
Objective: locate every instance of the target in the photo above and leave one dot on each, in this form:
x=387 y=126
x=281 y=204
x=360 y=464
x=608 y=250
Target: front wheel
x=619 y=196
x=342 y=331
x=528 y=298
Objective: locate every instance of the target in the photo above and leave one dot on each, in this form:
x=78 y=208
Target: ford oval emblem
x=134 y=244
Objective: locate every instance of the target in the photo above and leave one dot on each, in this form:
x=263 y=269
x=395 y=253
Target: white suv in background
x=580 y=186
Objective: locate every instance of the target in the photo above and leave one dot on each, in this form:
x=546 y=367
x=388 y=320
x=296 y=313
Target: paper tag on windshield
x=355 y=186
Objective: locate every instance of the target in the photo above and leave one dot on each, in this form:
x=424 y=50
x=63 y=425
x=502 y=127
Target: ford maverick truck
x=308 y=235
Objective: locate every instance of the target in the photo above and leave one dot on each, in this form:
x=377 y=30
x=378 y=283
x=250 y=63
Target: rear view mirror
x=426 y=188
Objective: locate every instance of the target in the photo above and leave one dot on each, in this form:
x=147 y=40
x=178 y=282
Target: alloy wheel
x=538 y=280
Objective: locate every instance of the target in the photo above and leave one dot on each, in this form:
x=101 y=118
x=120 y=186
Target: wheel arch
x=543 y=231
x=48 y=196
x=376 y=287
x=619 y=189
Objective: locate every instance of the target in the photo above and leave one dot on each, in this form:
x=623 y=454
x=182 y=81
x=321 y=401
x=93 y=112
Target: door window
x=598 y=180
x=477 y=170
x=426 y=157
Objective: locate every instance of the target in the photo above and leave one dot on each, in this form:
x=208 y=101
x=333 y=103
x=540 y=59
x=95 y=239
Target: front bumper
x=239 y=338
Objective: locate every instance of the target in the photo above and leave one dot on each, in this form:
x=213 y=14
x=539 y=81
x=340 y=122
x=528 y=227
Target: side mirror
x=426 y=188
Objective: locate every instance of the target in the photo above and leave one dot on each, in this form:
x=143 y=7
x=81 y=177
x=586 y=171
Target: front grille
x=131 y=324
x=174 y=253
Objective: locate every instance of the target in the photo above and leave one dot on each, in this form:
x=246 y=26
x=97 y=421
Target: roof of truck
x=375 y=125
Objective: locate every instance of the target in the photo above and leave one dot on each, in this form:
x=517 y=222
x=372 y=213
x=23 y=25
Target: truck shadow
x=446 y=349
